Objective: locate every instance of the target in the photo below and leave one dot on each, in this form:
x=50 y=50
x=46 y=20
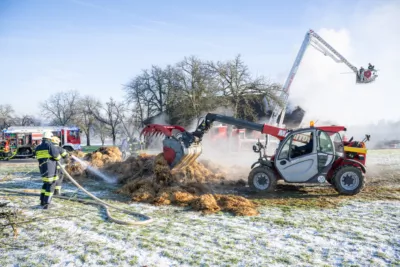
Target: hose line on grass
x=96 y=201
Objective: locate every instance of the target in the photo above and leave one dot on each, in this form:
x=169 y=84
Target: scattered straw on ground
x=188 y=187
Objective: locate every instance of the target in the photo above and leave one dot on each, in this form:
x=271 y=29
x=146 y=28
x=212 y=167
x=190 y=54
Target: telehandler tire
x=348 y=180
x=262 y=179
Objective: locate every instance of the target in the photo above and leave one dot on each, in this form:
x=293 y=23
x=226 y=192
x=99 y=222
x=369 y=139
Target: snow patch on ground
x=357 y=233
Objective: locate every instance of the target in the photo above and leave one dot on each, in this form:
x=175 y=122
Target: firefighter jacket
x=63 y=154
x=48 y=155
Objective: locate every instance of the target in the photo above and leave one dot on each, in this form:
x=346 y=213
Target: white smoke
x=328 y=95
x=162 y=118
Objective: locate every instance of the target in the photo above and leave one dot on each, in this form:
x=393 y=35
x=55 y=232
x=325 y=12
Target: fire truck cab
x=24 y=139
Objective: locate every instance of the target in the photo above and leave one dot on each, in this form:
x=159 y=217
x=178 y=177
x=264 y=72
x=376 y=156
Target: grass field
x=297 y=226
x=88 y=149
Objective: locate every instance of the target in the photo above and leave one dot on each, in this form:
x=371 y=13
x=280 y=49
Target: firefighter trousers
x=59 y=182
x=47 y=192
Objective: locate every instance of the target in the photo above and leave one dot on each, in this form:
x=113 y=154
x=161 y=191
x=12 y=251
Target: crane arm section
x=330 y=51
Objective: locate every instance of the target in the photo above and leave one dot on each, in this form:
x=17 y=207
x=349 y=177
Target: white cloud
x=327 y=94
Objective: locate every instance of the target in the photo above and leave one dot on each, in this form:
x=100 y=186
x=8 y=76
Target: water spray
x=95 y=171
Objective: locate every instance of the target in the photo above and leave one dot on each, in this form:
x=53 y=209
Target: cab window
x=285 y=150
x=337 y=142
x=297 y=145
x=325 y=143
x=74 y=134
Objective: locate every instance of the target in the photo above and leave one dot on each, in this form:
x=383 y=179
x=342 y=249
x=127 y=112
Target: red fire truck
x=24 y=139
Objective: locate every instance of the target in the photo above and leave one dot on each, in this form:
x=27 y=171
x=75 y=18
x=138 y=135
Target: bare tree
x=102 y=131
x=195 y=89
x=130 y=122
x=84 y=117
x=136 y=96
x=109 y=115
x=156 y=88
x=188 y=89
x=240 y=89
x=61 y=107
x=6 y=116
x=27 y=120
x=149 y=92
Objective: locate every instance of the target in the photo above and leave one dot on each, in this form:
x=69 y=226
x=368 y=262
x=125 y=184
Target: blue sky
x=96 y=46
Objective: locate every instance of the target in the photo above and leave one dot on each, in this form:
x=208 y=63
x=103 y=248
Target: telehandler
x=308 y=155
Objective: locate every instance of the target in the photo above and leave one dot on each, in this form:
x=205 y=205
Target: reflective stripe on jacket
x=47 y=155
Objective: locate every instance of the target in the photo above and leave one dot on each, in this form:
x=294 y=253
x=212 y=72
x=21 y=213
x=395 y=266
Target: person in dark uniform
x=305 y=149
x=371 y=67
x=361 y=74
x=56 y=141
x=47 y=154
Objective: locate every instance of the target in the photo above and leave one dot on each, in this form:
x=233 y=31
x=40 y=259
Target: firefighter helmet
x=47 y=135
x=55 y=140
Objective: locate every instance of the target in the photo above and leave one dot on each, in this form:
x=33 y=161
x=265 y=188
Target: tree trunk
x=113 y=136
x=88 y=138
x=235 y=112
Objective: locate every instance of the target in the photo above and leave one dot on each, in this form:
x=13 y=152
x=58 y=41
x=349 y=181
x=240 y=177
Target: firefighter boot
x=48 y=206
x=57 y=192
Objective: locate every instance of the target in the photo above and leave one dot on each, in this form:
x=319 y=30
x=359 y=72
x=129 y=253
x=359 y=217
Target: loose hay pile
x=103 y=156
x=147 y=178
x=188 y=187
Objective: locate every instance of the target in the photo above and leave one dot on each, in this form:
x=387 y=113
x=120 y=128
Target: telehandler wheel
x=348 y=180
x=262 y=179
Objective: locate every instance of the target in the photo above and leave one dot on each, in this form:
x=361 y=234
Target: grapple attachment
x=180 y=147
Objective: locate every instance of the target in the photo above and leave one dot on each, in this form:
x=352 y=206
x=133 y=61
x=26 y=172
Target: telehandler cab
x=308 y=155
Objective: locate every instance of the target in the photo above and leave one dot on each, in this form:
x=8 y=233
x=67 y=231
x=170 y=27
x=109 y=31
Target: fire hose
x=96 y=201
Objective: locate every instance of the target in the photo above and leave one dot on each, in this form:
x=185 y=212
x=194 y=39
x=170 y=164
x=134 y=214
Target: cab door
x=298 y=167
x=326 y=152
x=309 y=165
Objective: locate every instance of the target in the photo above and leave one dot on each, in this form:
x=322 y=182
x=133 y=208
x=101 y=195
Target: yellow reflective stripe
x=43 y=154
x=48 y=194
x=57 y=158
x=49 y=179
x=58 y=187
x=42 y=191
x=64 y=154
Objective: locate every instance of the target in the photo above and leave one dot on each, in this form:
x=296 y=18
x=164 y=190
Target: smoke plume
x=327 y=90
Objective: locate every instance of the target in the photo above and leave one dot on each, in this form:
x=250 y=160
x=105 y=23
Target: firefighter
x=3 y=150
x=56 y=141
x=361 y=74
x=371 y=67
x=47 y=154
